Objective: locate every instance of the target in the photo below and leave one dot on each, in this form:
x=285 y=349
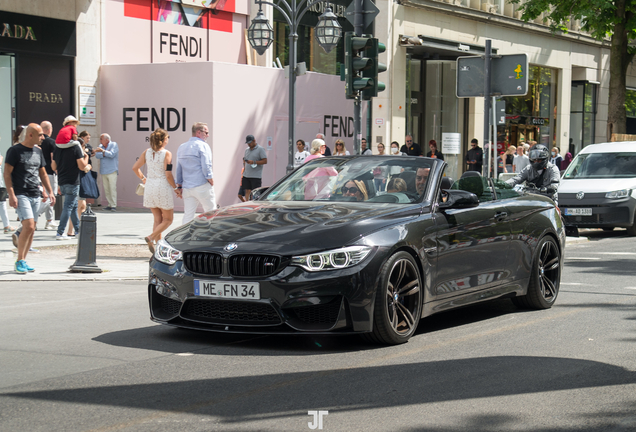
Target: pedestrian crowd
x=38 y=168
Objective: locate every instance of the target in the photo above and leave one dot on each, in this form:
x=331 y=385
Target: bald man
x=23 y=165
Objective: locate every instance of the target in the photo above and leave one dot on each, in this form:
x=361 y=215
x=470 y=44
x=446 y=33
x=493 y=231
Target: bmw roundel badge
x=230 y=247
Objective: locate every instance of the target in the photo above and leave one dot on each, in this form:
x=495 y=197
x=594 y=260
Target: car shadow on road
x=175 y=340
x=269 y=396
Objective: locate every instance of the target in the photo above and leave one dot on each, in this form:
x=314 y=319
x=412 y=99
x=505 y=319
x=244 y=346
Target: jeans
x=70 y=193
x=379 y=184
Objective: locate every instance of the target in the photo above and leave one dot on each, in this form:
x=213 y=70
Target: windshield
x=387 y=179
x=602 y=165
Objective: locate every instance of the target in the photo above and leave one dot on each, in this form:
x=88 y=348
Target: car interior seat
x=470 y=184
x=470 y=174
x=447 y=182
x=409 y=179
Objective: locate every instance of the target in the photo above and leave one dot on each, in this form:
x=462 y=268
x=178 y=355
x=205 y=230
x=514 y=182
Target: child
x=67 y=136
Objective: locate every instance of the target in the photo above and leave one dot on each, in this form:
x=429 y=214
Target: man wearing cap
x=194 y=173
x=108 y=155
x=253 y=160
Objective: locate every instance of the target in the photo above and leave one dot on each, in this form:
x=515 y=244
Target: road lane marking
x=584 y=258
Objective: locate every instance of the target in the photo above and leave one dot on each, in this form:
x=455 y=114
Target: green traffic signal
x=376 y=86
x=356 y=63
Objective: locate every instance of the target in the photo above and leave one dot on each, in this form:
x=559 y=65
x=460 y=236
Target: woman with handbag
x=159 y=186
x=81 y=200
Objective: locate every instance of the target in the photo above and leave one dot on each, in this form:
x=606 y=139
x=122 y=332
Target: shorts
x=251 y=183
x=28 y=207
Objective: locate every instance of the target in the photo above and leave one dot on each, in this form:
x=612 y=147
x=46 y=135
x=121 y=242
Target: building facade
x=60 y=58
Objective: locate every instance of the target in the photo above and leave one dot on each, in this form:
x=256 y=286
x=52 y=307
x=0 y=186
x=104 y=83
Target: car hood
x=286 y=228
x=596 y=185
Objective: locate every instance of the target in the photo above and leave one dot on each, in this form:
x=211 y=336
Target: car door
x=472 y=243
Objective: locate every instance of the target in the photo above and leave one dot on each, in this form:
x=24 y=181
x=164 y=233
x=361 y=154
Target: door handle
x=499 y=216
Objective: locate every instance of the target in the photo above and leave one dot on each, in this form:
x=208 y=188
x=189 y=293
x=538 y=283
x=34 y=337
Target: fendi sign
x=18 y=32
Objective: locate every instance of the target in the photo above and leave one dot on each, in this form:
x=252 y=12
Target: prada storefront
x=37 y=58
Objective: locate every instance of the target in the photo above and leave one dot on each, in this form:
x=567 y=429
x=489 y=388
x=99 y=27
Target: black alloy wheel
x=545 y=279
x=398 y=302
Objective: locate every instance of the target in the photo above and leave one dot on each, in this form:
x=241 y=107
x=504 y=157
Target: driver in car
x=421 y=177
x=541 y=174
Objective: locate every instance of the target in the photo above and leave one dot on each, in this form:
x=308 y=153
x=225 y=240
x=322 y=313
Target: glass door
x=7 y=102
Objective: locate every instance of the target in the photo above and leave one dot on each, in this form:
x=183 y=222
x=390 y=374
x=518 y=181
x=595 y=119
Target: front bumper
x=606 y=213
x=292 y=300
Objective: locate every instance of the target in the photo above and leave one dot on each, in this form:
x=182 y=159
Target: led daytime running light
x=166 y=253
x=333 y=259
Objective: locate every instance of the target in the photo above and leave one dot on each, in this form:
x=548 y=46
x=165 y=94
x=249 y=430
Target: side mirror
x=459 y=199
x=257 y=193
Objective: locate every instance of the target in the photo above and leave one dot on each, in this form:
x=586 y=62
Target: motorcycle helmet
x=539 y=155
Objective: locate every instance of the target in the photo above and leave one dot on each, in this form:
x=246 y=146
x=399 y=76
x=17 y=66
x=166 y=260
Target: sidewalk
x=122 y=253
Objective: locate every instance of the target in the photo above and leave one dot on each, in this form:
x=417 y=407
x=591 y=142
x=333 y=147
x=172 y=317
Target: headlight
x=333 y=259
x=623 y=193
x=166 y=253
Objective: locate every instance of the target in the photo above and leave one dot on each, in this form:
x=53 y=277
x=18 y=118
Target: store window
x=582 y=115
x=531 y=117
x=309 y=51
x=7 y=101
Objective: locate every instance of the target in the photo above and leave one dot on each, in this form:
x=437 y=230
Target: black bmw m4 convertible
x=360 y=244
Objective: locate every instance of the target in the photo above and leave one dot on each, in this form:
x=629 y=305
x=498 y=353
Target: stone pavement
x=122 y=253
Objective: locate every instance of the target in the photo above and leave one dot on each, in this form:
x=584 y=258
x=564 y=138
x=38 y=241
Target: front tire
x=631 y=231
x=545 y=279
x=398 y=301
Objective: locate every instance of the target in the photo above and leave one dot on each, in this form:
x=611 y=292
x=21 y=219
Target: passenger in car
x=396 y=184
x=355 y=189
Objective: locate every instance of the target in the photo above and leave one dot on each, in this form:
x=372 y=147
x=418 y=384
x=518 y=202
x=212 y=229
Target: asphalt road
x=83 y=356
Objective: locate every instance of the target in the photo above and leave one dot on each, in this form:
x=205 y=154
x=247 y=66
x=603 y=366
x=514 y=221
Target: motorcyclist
x=544 y=175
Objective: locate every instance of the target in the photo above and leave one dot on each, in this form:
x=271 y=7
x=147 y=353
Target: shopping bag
x=88 y=185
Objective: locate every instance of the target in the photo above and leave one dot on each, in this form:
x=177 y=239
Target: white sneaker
x=50 y=225
x=62 y=237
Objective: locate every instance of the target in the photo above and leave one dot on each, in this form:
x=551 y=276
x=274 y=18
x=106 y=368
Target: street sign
x=500 y=112
x=369 y=12
x=508 y=76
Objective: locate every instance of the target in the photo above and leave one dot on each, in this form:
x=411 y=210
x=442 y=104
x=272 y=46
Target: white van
x=598 y=189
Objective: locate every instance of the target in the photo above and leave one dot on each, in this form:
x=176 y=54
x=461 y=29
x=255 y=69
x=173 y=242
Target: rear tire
x=545 y=279
x=398 y=301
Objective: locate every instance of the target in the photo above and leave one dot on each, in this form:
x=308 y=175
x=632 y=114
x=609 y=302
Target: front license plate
x=578 y=212
x=235 y=290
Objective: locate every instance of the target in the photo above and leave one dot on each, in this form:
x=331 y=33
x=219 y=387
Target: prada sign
x=34 y=34
x=18 y=32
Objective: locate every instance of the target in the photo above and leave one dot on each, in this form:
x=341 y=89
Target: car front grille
x=253 y=265
x=600 y=216
x=319 y=314
x=205 y=263
x=170 y=306
x=230 y=312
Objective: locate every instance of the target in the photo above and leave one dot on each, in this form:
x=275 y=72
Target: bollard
x=87 y=244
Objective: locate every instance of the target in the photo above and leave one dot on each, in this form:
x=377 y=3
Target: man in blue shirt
x=194 y=173
x=108 y=155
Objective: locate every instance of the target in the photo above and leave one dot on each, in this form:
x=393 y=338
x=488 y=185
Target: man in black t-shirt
x=23 y=165
x=48 y=147
x=69 y=163
x=411 y=148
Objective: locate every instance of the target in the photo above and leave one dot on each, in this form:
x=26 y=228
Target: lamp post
x=261 y=35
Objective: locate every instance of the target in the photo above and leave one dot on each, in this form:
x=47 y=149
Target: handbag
x=3 y=194
x=88 y=185
x=140 y=189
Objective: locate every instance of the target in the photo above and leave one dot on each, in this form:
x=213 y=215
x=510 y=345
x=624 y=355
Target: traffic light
x=356 y=63
x=372 y=72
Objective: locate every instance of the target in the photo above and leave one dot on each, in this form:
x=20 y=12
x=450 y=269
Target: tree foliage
x=602 y=19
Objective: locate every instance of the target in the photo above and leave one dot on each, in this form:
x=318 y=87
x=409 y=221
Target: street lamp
x=260 y=35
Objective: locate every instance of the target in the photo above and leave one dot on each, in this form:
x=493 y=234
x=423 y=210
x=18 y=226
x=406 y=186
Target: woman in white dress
x=160 y=185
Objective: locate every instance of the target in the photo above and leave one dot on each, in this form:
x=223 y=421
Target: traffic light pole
x=491 y=162
x=358 y=28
